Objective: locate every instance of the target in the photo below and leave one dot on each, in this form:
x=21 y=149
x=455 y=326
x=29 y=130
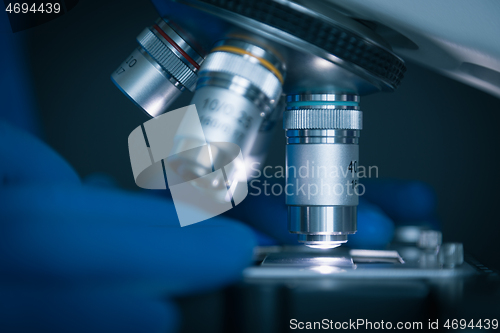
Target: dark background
x=431 y=129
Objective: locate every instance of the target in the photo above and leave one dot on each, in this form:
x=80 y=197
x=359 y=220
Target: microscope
x=254 y=65
x=314 y=60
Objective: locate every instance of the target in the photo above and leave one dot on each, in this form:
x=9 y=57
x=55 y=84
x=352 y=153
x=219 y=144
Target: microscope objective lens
x=322 y=159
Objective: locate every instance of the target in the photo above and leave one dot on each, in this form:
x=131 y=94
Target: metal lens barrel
x=159 y=70
x=322 y=157
x=239 y=86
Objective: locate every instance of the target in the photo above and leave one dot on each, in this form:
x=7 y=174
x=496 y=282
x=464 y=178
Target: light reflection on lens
x=324 y=245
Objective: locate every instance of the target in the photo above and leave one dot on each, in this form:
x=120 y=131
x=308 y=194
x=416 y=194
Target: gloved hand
x=81 y=259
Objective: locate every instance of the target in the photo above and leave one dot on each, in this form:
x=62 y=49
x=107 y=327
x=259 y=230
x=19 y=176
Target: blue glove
x=76 y=258
x=84 y=259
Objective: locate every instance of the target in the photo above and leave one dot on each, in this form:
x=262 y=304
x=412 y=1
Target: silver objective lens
x=239 y=86
x=159 y=70
x=322 y=167
x=237 y=93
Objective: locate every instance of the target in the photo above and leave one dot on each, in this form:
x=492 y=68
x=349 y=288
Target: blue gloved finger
x=375 y=228
x=63 y=310
x=94 y=235
x=85 y=203
x=403 y=201
x=25 y=160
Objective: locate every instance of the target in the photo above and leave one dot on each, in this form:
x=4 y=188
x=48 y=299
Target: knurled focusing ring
x=323 y=119
x=159 y=70
x=171 y=52
x=323 y=111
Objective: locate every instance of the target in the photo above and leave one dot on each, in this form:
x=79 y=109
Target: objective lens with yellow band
x=239 y=86
x=264 y=62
